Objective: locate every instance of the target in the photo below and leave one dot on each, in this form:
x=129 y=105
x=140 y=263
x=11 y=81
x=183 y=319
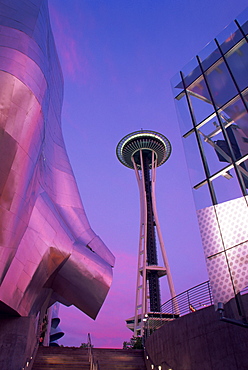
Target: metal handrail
x=30 y=359
x=191 y=300
x=94 y=365
x=244 y=291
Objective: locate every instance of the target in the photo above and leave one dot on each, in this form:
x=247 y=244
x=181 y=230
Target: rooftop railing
x=193 y=299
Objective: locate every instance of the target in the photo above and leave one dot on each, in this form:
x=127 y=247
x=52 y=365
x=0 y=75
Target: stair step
x=66 y=358
x=70 y=358
x=56 y=367
x=119 y=359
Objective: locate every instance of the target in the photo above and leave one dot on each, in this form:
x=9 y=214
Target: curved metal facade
x=47 y=246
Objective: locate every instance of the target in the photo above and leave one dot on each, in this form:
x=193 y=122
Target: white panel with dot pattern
x=224 y=232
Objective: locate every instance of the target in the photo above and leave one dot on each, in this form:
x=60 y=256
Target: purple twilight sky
x=118 y=57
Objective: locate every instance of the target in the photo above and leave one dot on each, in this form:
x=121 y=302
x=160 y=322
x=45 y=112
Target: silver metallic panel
x=47 y=246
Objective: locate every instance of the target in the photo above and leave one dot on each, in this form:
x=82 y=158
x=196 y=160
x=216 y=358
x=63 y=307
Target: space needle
x=144 y=151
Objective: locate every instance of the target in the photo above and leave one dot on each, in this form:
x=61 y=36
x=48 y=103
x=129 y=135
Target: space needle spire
x=144 y=151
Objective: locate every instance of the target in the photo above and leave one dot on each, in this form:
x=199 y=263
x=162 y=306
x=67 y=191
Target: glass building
x=211 y=95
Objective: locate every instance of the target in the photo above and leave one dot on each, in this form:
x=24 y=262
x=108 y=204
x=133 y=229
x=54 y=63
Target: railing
x=29 y=360
x=94 y=365
x=187 y=302
x=191 y=300
x=244 y=291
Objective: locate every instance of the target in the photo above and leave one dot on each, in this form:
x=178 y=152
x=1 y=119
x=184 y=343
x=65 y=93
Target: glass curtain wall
x=211 y=95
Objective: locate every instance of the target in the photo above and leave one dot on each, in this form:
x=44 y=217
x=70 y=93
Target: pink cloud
x=74 y=57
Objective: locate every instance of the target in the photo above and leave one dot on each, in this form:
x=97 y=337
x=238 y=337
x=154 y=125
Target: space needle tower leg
x=141 y=285
x=161 y=241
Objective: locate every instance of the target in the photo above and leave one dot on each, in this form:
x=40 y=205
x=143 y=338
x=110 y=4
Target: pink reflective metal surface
x=46 y=243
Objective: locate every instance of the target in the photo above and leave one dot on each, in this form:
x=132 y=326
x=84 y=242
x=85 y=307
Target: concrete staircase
x=64 y=358
x=119 y=359
x=69 y=358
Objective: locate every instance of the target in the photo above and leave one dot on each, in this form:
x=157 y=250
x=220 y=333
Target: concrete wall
x=19 y=338
x=17 y=341
x=200 y=341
